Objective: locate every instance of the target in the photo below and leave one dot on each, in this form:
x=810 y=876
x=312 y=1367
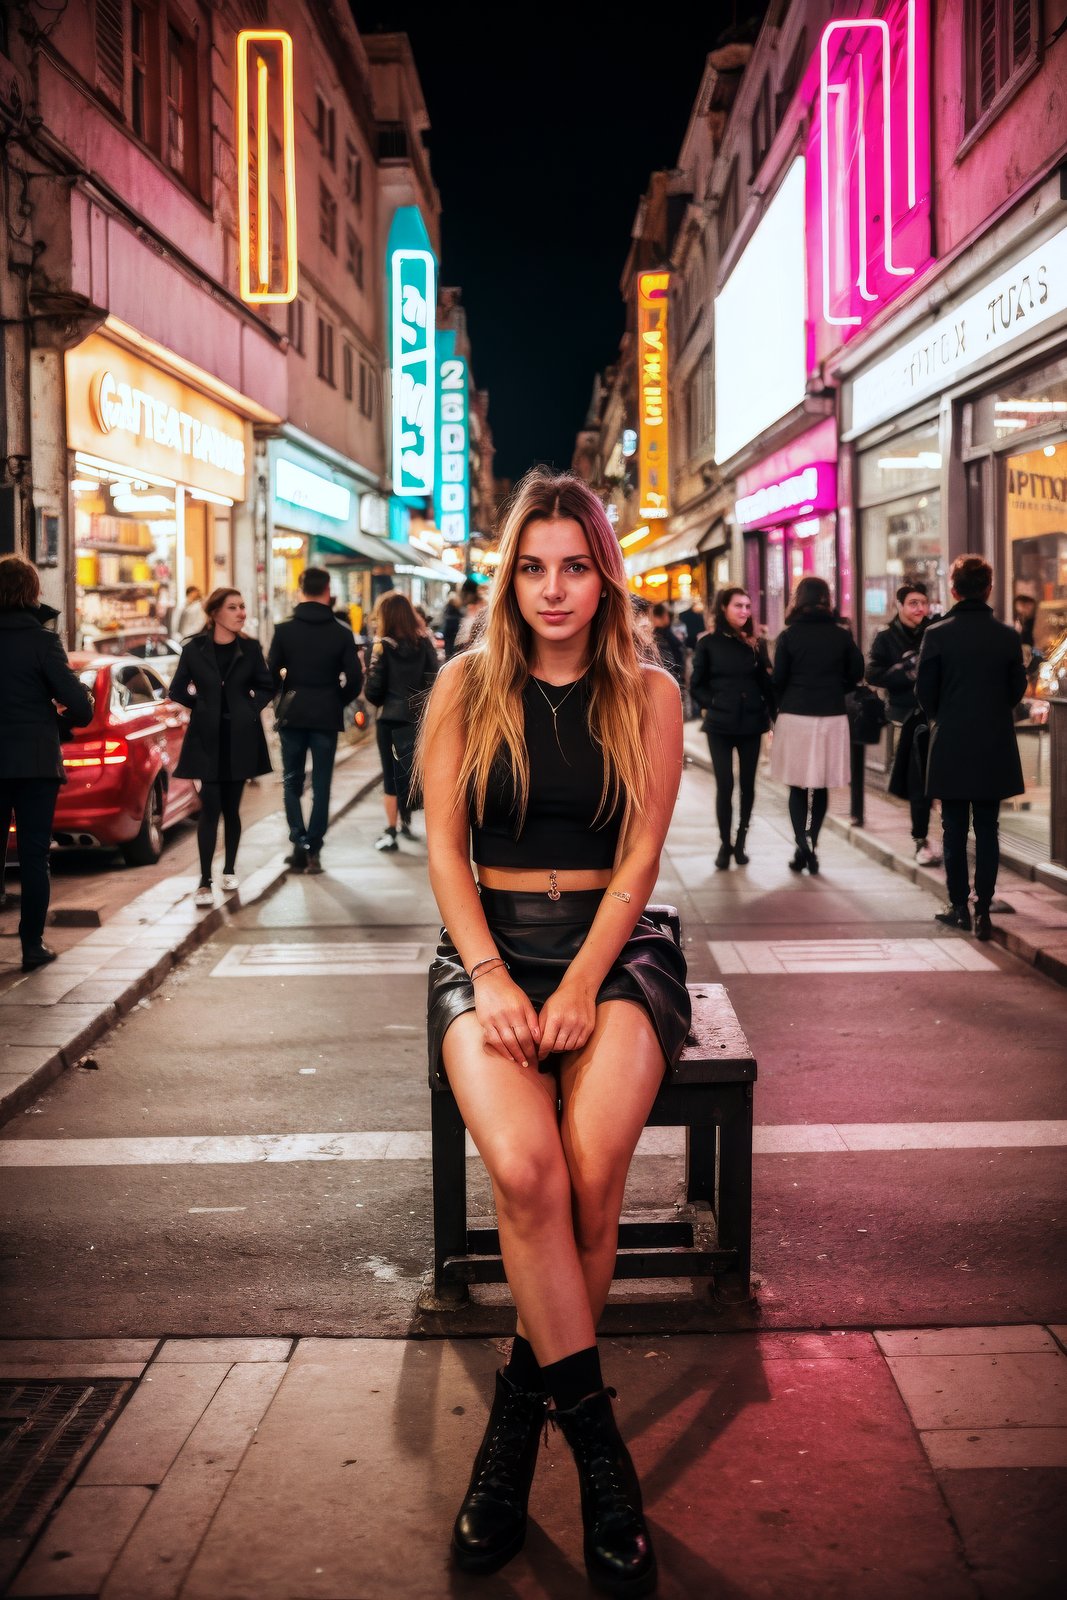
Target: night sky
x=541 y=146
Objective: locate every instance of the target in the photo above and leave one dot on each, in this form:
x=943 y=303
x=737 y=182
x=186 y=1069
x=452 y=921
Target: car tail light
x=99 y=753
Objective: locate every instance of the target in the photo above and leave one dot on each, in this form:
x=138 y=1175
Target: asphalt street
x=303 y=1017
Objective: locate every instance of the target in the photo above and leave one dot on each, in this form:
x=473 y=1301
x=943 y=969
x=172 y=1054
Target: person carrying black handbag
x=892 y=663
x=402 y=668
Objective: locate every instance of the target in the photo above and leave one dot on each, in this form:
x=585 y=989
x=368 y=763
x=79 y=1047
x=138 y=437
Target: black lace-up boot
x=618 y=1552
x=491 y=1524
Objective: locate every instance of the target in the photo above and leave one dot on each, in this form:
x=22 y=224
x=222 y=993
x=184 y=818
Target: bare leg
x=391 y=808
x=608 y=1088
x=511 y=1114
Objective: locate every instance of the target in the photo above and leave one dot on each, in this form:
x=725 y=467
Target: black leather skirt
x=539 y=938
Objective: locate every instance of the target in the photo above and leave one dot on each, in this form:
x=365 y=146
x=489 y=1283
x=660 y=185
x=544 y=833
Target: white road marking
x=361 y=959
x=271 y=1148
x=210 y=1211
x=798 y=956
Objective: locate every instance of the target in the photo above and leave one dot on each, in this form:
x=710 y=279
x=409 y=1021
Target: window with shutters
x=760 y=128
x=325 y=342
x=181 y=142
x=297 y=325
x=110 y=48
x=728 y=209
x=327 y=218
x=1000 y=50
x=144 y=100
x=366 y=390
x=348 y=365
x=326 y=127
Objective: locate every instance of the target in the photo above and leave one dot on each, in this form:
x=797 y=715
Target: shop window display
x=900 y=523
x=125 y=539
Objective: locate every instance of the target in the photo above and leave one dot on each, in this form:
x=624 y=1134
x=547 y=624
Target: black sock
x=522 y=1368
x=571 y=1379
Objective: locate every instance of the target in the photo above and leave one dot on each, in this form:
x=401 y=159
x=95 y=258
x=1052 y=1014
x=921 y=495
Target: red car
x=120 y=789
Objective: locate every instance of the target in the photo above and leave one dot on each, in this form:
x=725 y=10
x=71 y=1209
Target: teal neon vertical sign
x=452 y=495
x=412 y=284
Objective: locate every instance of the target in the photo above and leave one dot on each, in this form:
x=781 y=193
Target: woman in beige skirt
x=816 y=663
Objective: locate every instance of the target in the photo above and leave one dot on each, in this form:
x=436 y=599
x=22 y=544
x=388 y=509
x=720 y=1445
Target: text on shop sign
x=452 y=494
x=1020 y=299
x=811 y=489
x=414 y=300
x=124 y=407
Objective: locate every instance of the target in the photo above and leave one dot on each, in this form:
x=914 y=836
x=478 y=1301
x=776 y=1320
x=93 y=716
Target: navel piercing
x=620 y=894
x=553 y=885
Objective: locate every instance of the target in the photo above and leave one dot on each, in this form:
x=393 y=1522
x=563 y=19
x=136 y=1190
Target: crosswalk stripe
x=800 y=956
x=269 y=1148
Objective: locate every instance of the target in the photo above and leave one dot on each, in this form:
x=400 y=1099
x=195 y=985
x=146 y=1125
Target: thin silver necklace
x=555 y=710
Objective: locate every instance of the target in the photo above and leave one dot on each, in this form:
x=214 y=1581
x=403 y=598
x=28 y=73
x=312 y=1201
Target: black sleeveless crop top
x=561 y=828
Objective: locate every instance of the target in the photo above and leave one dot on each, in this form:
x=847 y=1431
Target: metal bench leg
x=449 y=1191
x=700 y=1165
x=734 y=1216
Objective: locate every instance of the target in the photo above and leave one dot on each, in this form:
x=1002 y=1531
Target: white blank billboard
x=760 y=325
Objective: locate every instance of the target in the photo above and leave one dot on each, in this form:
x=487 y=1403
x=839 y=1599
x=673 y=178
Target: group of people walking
x=951 y=686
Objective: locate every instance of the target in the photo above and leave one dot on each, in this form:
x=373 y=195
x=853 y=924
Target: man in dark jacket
x=670 y=648
x=971 y=677
x=317 y=672
x=37 y=680
x=892 y=663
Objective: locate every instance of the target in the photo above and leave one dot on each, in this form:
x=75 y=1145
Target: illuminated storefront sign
x=412 y=268
x=1031 y=291
x=123 y=410
x=311 y=491
x=452 y=497
x=652 y=450
x=760 y=325
x=812 y=489
x=869 y=165
x=266 y=226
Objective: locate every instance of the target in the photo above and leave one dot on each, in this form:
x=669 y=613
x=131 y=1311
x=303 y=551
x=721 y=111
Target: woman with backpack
x=403 y=666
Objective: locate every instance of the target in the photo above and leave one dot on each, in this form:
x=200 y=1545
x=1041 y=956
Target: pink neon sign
x=868 y=168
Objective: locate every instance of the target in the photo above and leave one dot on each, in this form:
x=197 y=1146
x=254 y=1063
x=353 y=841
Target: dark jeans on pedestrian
x=33 y=802
x=722 y=747
x=954 y=822
x=396 y=749
x=921 y=807
x=296 y=742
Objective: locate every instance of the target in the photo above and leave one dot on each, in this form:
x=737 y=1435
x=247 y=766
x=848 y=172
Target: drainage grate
x=46 y=1431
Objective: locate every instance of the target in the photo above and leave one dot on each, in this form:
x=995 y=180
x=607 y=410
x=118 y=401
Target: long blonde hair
x=495 y=670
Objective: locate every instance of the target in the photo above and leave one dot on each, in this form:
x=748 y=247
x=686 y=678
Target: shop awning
x=411 y=557
x=664 y=553
x=350 y=541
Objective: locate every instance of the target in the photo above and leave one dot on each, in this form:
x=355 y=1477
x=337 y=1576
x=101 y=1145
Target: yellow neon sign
x=271 y=49
x=652 y=433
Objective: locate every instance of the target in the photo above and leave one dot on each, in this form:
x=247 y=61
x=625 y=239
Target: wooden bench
x=708 y=1092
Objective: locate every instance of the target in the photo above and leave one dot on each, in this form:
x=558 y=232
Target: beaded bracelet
x=487 y=961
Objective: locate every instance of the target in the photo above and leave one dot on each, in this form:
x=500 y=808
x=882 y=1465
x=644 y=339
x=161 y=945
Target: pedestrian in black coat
x=669 y=647
x=816 y=663
x=731 y=682
x=223 y=678
x=403 y=665
x=36 y=679
x=892 y=663
x=316 y=668
x=971 y=677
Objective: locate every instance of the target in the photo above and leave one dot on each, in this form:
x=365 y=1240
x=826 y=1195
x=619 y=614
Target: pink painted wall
x=1028 y=135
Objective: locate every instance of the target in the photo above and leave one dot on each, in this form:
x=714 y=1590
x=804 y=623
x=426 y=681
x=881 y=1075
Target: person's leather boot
x=739 y=846
x=36 y=955
x=983 y=927
x=725 y=856
x=618 y=1551
x=491 y=1525
x=955 y=917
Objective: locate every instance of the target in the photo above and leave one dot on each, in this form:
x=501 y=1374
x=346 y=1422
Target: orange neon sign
x=265 y=81
x=652 y=433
